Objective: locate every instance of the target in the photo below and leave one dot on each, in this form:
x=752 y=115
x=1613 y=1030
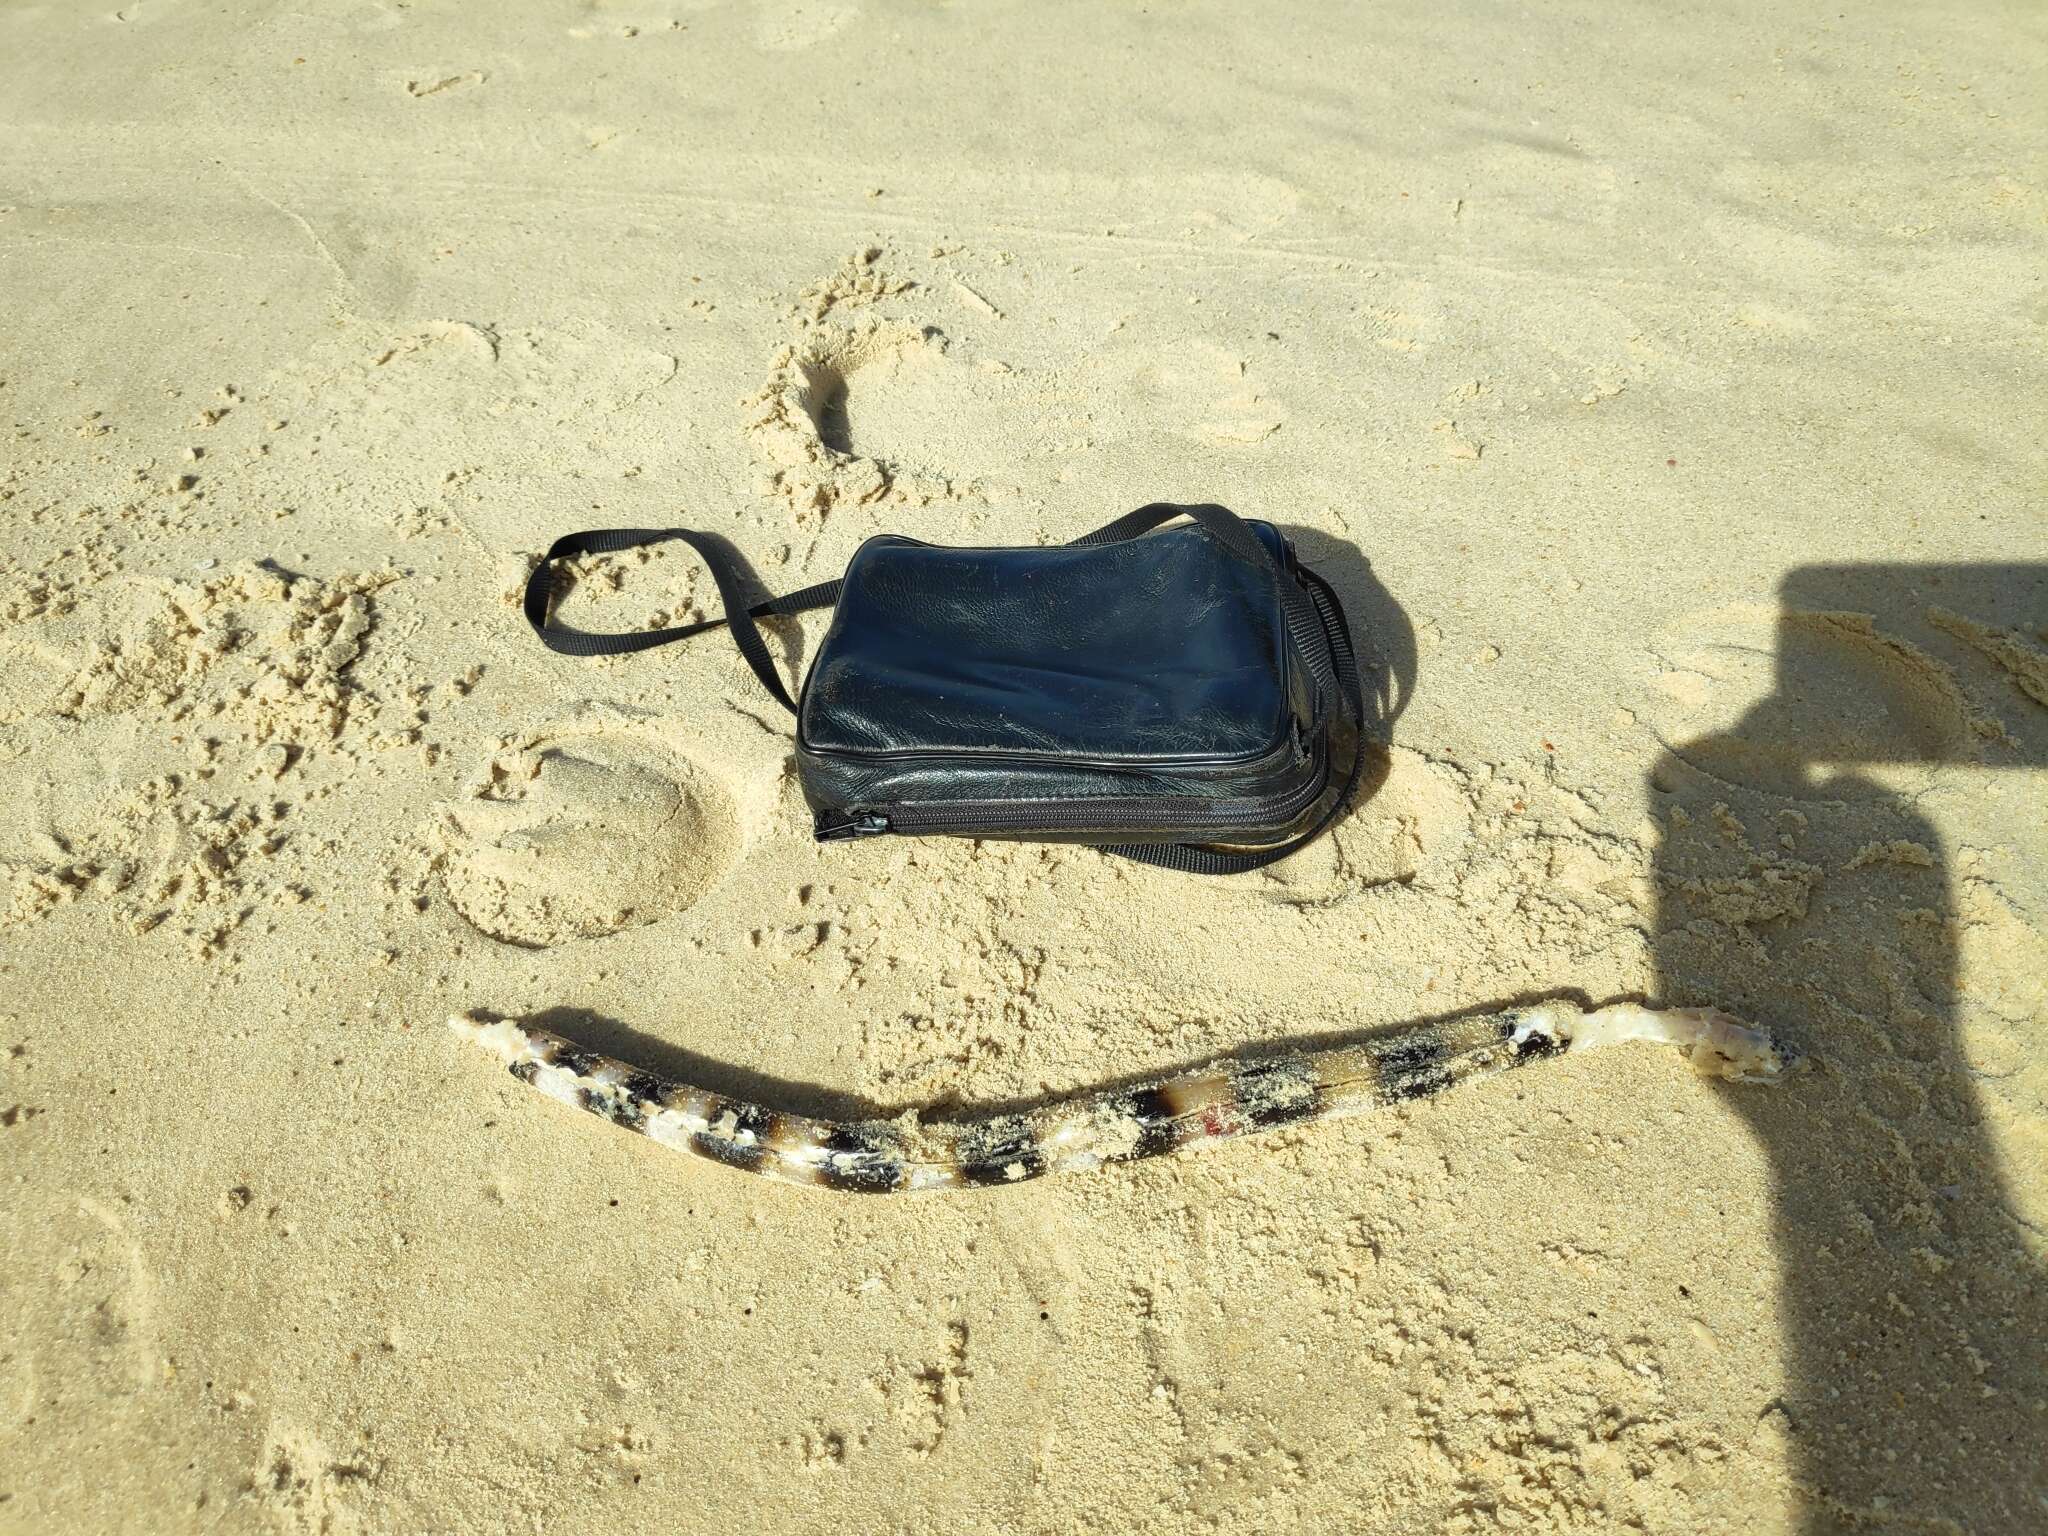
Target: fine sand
x=1663 y=390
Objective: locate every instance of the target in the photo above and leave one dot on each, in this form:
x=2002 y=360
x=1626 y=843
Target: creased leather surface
x=1162 y=647
x=1156 y=669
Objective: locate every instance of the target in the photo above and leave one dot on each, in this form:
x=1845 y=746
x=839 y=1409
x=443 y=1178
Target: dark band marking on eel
x=859 y=1162
x=1532 y=1047
x=646 y=1087
x=1415 y=1067
x=619 y=1108
x=1002 y=1151
x=1277 y=1092
x=1159 y=1129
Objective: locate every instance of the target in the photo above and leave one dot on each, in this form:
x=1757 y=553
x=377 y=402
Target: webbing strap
x=540 y=594
x=1220 y=523
x=1225 y=526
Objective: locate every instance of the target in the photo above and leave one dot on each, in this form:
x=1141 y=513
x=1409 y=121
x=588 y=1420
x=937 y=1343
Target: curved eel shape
x=1232 y=1096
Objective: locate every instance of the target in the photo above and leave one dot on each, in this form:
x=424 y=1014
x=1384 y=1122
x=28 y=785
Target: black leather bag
x=1153 y=690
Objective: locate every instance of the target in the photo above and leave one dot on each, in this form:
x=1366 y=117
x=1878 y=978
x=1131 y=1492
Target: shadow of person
x=1801 y=884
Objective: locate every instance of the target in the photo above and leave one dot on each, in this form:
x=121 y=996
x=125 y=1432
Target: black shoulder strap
x=1220 y=523
x=540 y=596
x=739 y=617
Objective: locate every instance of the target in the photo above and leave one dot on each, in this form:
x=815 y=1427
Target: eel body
x=1231 y=1097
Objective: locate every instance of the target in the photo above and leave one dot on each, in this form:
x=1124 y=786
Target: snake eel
x=1230 y=1097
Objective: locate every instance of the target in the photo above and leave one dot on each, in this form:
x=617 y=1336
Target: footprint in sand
x=583 y=834
x=880 y=407
x=127 y=645
x=1769 y=699
x=895 y=379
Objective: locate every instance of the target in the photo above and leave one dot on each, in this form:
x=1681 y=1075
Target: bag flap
x=1160 y=648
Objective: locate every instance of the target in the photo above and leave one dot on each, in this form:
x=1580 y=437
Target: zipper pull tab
x=841 y=826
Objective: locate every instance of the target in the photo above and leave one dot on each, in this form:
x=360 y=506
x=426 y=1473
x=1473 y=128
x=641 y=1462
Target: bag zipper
x=1290 y=744
x=844 y=826
x=969 y=817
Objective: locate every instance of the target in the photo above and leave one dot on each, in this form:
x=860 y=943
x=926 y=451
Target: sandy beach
x=1662 y=389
